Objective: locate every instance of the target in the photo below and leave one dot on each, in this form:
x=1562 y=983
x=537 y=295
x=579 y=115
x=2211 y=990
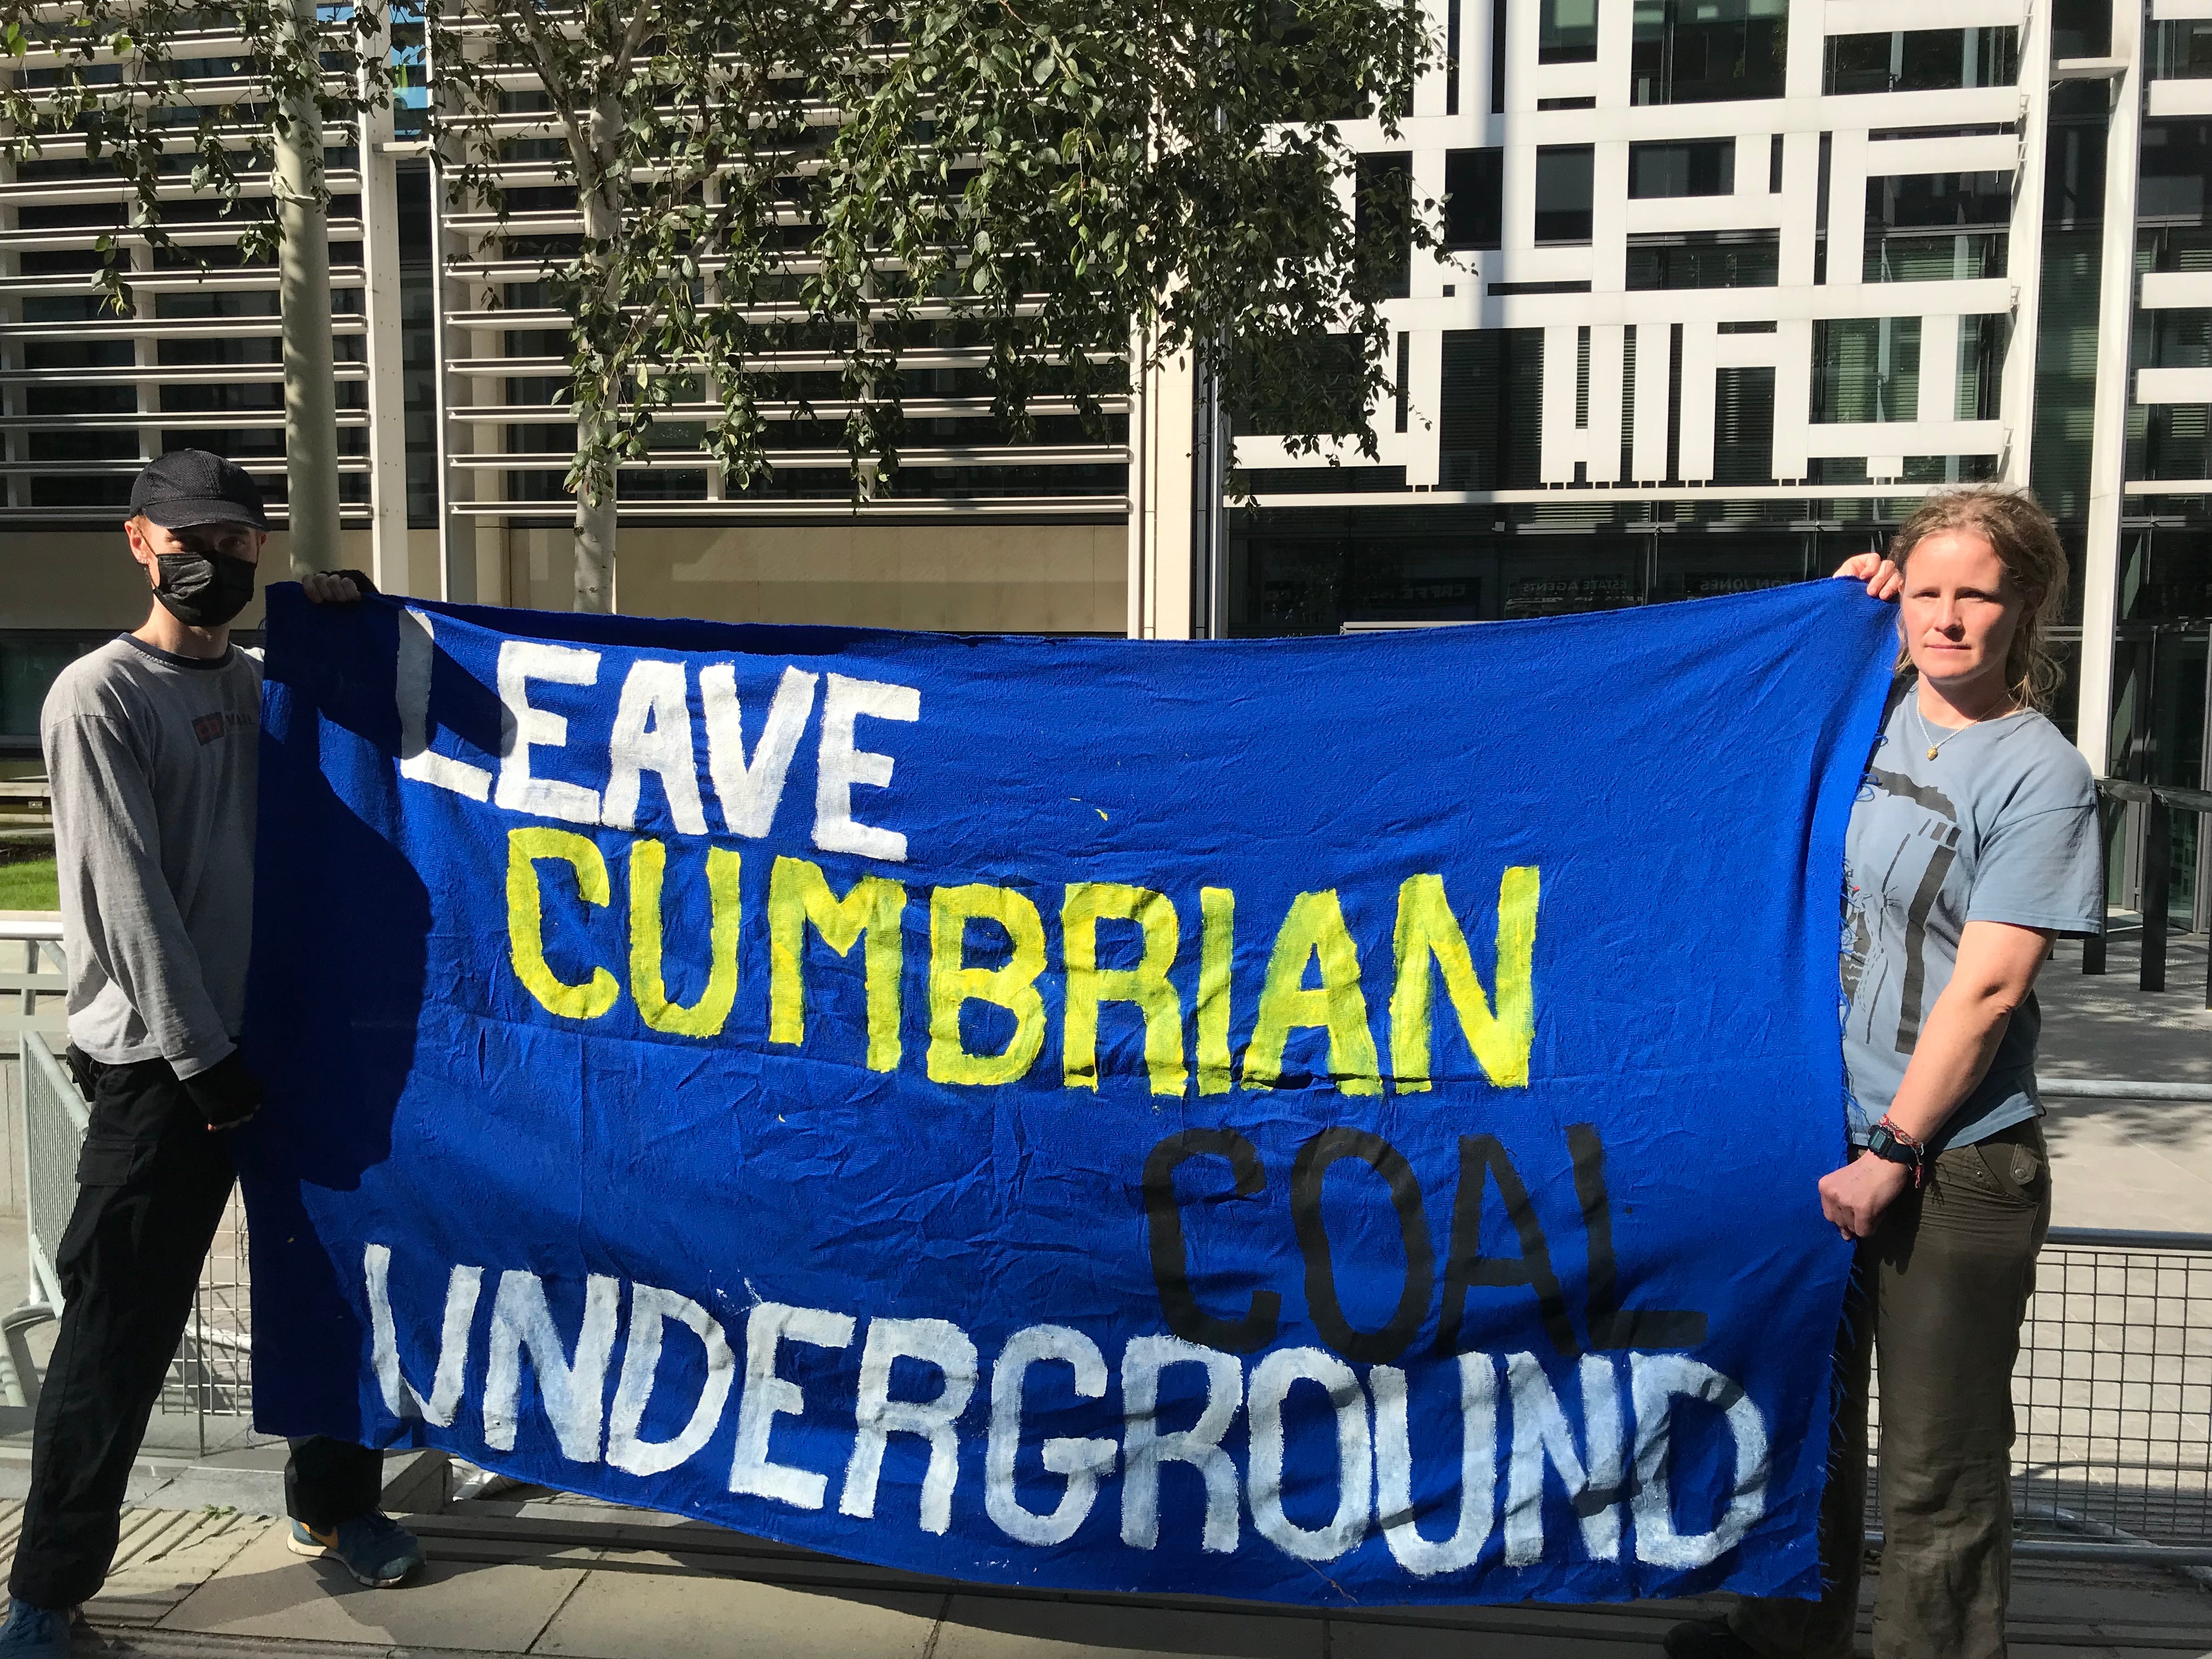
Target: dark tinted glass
x=1475 y=198
x=1564 y=186
x=1702 y=168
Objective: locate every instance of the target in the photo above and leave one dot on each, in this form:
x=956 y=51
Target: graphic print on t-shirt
x=2001 y=827
x=1897 y=899
x=1940 y=846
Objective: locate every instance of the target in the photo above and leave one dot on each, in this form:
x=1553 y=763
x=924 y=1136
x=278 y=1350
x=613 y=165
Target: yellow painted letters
x=706 y=1017
x=1426 y=928
x=798 y=896
x=526 y=930
x=1314 y=929
x=952 y=983
x=1147 y=985
x=1217 y=948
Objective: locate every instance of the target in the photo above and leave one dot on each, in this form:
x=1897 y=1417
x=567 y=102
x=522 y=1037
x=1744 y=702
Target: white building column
x=1160 y=504
x=385 y=352
x=2115 y=286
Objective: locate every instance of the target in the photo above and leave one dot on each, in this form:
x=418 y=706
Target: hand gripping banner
x=1332 y=1121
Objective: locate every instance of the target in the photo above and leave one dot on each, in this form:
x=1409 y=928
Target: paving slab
x=2128 y=1164
x=991 y=1627
x=160 y=1558
x=677 y=1613
x=266 y=1591
x=2104 y=1025
x=1350 y=1641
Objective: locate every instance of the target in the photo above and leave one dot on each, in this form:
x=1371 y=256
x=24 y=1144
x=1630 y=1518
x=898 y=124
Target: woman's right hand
x=1883 y=579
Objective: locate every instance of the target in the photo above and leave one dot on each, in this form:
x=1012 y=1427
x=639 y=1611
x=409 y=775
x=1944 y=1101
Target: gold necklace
x=1926 y=730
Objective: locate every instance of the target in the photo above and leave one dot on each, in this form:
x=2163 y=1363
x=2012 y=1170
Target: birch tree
x=1048 y=180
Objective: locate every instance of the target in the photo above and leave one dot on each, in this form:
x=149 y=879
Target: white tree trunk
x=595 y=553
x=596 y=519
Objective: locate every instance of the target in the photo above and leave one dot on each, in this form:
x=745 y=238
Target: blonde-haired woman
x=1973 y=845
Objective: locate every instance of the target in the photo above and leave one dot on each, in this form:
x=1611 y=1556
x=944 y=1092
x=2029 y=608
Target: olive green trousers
x=1938 y=1293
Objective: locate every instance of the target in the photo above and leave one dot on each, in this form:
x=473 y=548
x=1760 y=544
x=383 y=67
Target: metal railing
x=206 y=1397
x=2113 y=1389
x=2153 y=870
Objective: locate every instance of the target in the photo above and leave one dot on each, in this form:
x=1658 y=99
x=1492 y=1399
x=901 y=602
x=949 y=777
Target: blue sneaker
x=376 y=1550
x=34 y=1632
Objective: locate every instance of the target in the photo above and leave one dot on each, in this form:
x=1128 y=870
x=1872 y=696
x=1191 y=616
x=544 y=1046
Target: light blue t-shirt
x=2001 y=825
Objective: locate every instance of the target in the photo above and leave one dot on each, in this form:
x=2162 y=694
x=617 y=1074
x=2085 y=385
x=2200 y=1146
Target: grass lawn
x=29 y=885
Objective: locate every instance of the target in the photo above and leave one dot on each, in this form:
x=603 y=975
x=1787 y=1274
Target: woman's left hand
x=1854 y=1197
x=1883 y=579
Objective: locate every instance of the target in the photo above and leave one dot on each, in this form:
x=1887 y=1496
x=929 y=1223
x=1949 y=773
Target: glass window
x=2181 y=49
x=2175 y=340
x=1936 y=227
x=1491 y=421
x=1982 y=343
x=1313 y=383
x=1743 y=425
x=1566 y=31
x=2074 y=159
x=1701 y=51
x=1554 y=576
x=28 y=663
x=1866 y=368
x=1702 y=168
x=1922 y=60
x=1564 y=189
x=2177 y=159
x=2165 y=575
x=1475 y=198
x=1707 y=258
x=1699 y=567
x=2080 y=29
x=1383 y=212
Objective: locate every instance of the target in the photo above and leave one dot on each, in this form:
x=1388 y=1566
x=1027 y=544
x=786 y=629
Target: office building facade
x=1725 y=287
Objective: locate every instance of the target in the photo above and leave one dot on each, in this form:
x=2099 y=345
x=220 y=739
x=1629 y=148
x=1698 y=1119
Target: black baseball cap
x=189 y=486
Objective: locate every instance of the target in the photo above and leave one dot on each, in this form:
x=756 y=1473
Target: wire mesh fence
x=2113 y=1389
x=53 y=1129
x=211 y=1377
x=2114 y=1386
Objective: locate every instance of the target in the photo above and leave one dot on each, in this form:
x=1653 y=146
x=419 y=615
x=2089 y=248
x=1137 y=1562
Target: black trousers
x=152 y=1182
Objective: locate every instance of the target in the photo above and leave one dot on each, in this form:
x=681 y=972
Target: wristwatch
x=1887 y=1143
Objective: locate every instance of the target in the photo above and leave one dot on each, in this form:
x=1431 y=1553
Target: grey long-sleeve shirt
x=153 y=759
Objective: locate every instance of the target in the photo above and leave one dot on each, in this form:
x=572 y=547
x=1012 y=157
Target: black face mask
x=204 y=590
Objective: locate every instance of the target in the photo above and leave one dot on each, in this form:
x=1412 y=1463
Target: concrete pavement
x=2125 y=1164
x=542 y=1574
x=558 y=1576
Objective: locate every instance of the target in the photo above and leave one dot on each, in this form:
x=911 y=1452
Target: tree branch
x=632 y=37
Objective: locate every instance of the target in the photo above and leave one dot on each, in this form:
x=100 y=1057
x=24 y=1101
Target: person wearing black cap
x=151 y=745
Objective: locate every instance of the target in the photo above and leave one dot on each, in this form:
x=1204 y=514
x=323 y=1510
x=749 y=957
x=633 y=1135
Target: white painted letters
x=842 y=766
x=1540 y=1435
x=652 y=734
x=523 y=727
x=750 y=791
x=1271 y=1387
x=462 y=1288
x=768 y=1396
x=651 y=1308
x=1145 y=1448
x=1478 y=1468
x=411 y=685
x=1655 y=1382
x=574 y=1390
x=937 y=1342
x=1082 y=1460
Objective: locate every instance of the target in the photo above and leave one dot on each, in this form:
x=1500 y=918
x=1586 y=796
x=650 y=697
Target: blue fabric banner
x=1332 y=1121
